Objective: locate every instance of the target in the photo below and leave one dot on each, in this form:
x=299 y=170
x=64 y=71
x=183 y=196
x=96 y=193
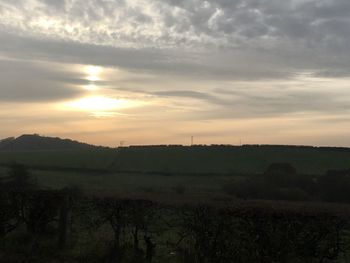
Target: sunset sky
x=160 y=71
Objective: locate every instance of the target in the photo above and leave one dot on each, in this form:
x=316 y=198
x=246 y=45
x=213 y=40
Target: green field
x=130 y=183
x=97 y=159
x=188 y=160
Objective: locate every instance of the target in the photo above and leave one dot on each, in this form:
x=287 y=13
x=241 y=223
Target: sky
x=161 y=71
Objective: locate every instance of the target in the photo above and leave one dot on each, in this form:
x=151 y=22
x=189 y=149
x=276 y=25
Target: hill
x=35 y=142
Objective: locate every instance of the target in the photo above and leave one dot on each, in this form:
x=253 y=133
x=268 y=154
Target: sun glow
x=90 y=87
x=99 y=104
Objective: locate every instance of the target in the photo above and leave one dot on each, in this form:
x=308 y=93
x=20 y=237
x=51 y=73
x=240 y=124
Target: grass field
x=130 y=183
x=187 y=160
x=174 y=170
x=98 y=159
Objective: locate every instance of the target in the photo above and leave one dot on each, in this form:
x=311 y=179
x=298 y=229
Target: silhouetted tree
x=9 y=219
x=67 y=199
x=209 y=234
x=113 y=212
x=19 y=178
x=140 y=214
x=150 y=248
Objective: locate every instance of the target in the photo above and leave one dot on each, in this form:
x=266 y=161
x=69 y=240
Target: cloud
x=240 y=39
x=213 y=65
x=191 y=94
x=29 y=82
x=266 y=24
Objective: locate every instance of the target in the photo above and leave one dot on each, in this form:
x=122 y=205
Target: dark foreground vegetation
x=281 y=181
x=67 y=225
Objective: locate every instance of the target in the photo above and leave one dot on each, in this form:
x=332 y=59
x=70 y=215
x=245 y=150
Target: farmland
x=186 y=160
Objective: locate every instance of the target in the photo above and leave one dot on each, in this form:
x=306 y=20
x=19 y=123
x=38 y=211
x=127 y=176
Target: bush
x=179 y=189
x=249 y=188
x=20 y=179
x=291 y=194
x=335 y=186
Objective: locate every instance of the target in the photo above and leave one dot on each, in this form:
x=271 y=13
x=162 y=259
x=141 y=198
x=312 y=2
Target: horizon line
x=174 y=144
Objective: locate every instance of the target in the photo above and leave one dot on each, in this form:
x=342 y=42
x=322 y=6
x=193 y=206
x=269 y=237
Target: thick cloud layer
x=191 y=23
x=249 y=38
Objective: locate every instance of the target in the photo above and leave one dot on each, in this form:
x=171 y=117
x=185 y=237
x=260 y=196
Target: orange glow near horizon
x=98 y=103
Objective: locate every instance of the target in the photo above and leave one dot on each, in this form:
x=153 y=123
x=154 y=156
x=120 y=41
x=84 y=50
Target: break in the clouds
x=137 y=65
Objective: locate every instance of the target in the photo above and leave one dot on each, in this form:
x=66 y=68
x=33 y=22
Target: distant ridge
x=30 y=142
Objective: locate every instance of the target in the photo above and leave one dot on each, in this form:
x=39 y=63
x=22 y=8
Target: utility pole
x=192 y=138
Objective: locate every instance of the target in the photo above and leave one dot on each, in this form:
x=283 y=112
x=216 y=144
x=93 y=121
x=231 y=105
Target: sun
x=93 y=73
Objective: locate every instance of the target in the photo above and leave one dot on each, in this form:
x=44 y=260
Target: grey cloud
x=264 y=23
x=192 y=94
x=56 y=4
x=271 y=23
x=25 y=81
x=213 y=65
x=30 y=91
x=238 y=38
x=247 y=103
x=77 y=53
x=222 y=23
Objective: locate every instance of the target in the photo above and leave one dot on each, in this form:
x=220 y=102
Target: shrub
x=248 y=188
x=179 y=189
